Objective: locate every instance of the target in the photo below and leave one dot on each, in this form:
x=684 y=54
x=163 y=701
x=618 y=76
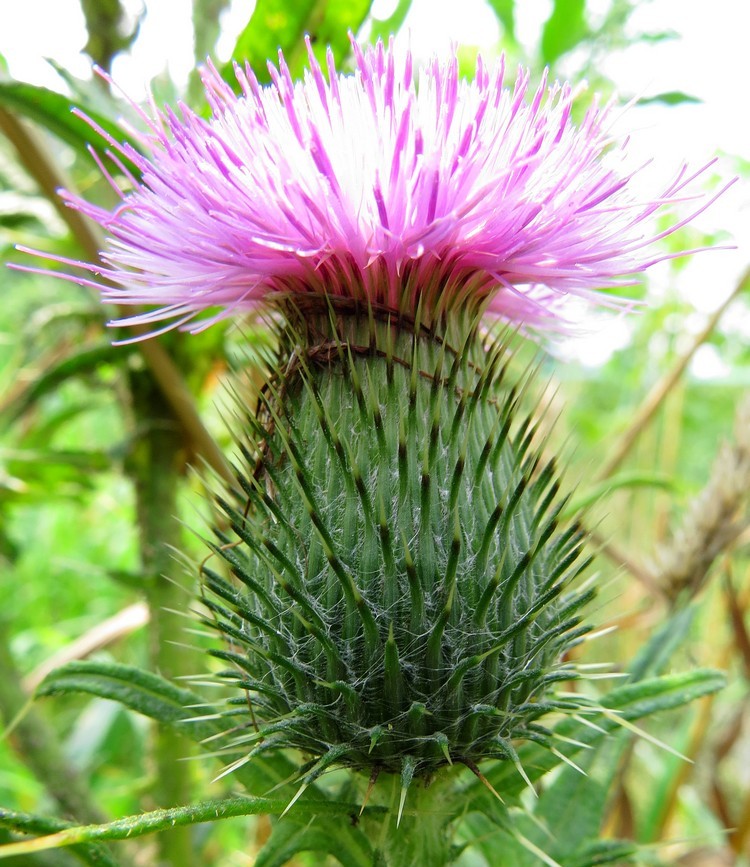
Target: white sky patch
x=434 y=25
x=708 y=364
x=165 y=41
x=36 y=29
x=597 y=340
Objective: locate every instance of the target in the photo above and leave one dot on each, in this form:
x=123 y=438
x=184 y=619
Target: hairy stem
x=422 y=832
x=157 y=820
x=156 y=467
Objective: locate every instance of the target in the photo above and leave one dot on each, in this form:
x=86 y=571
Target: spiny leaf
x=631 y=702
x=137 y=689
x=157 y=698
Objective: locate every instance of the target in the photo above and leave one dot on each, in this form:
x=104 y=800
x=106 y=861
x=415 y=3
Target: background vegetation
x=97 y=445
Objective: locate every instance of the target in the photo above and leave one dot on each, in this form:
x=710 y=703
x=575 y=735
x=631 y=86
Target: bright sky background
x=708 y=61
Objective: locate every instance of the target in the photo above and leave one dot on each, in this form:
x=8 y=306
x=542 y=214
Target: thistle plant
x=395 y=585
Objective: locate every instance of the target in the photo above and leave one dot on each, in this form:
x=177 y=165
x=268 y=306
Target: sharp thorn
x=567 y=761
x=482 y=779
x=294 y=799
x=401 y=803
x=231 y=768
x=626 y=724
x=370 y=786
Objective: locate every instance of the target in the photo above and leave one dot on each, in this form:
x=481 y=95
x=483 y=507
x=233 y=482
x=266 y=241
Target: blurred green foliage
x=70 y=554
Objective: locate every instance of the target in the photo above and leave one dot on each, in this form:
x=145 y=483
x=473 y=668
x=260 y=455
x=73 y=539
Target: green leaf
x=565 y=820
x=278 y=25
x=92 y=461
x=564 y=29
x=18 y=221
x=588 y=496
x=274 y=25
x=665 y=772
x=54 y=112
x=670 y=97
x=504 y=9
x=41 y=434
x=573 y=807
x=43 y=473
x=82 y=362
x=385 y=27
x=658 y=650
x=291 y=836
x=605 y=852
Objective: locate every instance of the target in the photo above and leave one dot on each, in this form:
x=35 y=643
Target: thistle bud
x=401 y=598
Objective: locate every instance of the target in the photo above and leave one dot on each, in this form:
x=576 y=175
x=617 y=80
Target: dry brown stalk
x=617 y=555
x=102 y=635
x=664 y=386
x=714 y=519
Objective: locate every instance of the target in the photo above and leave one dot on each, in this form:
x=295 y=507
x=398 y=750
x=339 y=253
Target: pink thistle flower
x=375 y=186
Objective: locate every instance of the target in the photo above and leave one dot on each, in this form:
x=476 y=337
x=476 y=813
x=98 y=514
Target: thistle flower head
x=388 y=185
x=394 y=574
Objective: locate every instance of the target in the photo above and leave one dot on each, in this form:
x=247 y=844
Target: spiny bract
x=402 y=594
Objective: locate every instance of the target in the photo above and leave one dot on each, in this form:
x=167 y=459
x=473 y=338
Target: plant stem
x=156 y=467
x=160 y=820
x=424 y=833
x=39 y=859
x=662 y=388
x=38 y=745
